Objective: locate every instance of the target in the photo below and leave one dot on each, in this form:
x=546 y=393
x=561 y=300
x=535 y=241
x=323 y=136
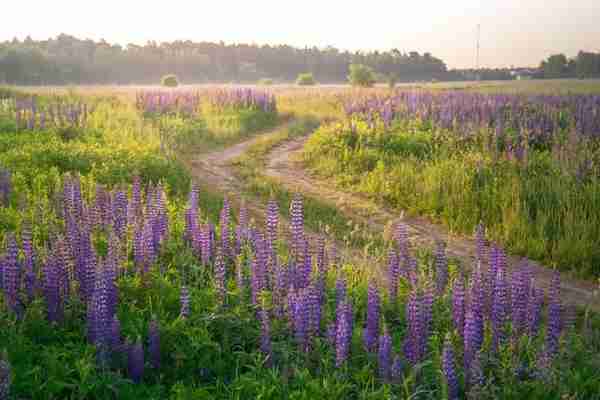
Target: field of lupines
x=123 y=281
x=527 y=166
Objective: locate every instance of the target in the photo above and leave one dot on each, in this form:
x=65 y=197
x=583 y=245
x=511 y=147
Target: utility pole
x=477 y=52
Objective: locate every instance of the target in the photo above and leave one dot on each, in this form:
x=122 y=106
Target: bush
x=361 y=75
x=306 y=79
x=265 y=81
x=169 y=81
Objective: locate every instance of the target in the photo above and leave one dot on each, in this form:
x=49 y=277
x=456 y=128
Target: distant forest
x=69 y=60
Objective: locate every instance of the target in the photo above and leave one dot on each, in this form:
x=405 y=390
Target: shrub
x=305 y=79
x=361 y=75
x=169 y=81
x=265 y=81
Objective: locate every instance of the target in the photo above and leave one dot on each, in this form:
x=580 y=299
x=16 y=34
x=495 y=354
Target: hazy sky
x=513 y=32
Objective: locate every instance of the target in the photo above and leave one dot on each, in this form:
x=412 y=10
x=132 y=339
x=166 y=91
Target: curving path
x=214 y=170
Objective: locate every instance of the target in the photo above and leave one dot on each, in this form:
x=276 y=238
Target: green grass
x=539 y=209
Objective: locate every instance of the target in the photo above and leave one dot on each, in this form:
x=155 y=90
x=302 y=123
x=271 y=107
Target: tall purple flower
x=520 y=290
x=473 y=339
x=449 y=369
x=135 y=361
x=297 y=225
x=272 y=222
x=534 y=310
x=499 y=309
x=553 y=329
x=384 y=356
x=11 y=272
x=224 y=221
x=371 y=332
x=458 y=305
x=343 y=333
x=52 y=290
x=220 y=278
x=340 y=290
x=28 y=252
x=154 y=344
x=393 y=274
x=265 y=332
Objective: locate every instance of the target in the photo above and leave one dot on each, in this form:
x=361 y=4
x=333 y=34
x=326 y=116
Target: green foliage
x=538 y=209
x=305 y=79
x=169 y=81
x=265 y=81
x=361 y=75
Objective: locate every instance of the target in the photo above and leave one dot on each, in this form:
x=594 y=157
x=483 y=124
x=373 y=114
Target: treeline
x=68 y=60
x=584 y=65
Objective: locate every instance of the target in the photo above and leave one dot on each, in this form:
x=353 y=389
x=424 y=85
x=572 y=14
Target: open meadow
x=427 y=241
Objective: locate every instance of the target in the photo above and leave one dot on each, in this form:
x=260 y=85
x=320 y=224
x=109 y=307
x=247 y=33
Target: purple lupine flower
x=393 y=274
x=98 y=318
x=265 y=332
x=473 y=338
x=499 y=309
x=371 y=332
x=297 y=225
x=553 y=328
x=52 y=290
x=257 y=278
x=449 y=369
x=397 y=368
x=154 y=344
x=135 y=361
x=205 y=243
x=426 y=319
x=301 y=319
x=28 y=252
x=534 y=310
x=110 y=274
x=441 y=268
x=477 y=296
x=384 y=356
x=220 y=278
x=480 y=243
x=340 y=290
x=224 y=220
x=11 y=272
x=5 y=373
x=314 y=303
x=280 y=287
x=115 y=341
x=520 y=289
x=321 y=257
x=119 y=213
x=272 y=222
x=413 y=321
x=184 y=299
x=458 y=305
x=343 y=333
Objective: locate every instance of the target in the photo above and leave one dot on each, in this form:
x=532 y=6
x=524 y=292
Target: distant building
x=521 y=74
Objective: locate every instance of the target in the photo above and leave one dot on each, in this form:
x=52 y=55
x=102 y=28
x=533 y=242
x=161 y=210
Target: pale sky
x=513 y=32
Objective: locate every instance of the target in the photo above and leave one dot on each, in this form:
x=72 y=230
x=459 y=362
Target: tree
x=169 y=81
x=305 y=79
x=361 y=75
x=555 y=66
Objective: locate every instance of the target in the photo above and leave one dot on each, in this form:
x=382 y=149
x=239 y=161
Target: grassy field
x=121 y=280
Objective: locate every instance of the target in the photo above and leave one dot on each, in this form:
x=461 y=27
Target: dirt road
x=213 y=169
